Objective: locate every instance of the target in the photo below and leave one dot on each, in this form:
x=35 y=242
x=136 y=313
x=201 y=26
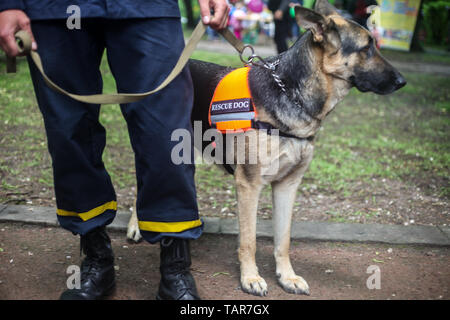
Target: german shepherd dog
x=317 y=72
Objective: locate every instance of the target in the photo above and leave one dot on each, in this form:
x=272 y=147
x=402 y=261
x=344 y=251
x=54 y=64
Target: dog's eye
x=367 y=48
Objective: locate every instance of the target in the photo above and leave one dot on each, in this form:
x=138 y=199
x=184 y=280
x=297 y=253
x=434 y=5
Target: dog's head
x=349 y=50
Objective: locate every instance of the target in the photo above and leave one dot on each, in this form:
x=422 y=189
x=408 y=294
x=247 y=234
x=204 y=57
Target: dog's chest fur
x=294 y=156
x=279 y=157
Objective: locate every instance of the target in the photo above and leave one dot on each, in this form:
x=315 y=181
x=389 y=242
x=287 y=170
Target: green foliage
x=195 y=9
x=435 y=15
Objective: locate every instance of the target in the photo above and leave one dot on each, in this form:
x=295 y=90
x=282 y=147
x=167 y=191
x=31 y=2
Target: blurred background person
x=237 y=15
x=358 y=10
x=283 y=23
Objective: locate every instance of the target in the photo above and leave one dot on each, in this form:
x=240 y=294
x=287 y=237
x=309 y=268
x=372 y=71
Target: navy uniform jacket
x=110 y=9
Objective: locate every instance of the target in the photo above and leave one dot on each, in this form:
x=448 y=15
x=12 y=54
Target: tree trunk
x=415 y=43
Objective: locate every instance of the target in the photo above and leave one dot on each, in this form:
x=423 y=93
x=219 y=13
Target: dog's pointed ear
x=325 y=8
x=311 y=20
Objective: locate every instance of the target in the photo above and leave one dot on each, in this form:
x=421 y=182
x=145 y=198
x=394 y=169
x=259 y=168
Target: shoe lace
x=90 y=265
x=184 y=282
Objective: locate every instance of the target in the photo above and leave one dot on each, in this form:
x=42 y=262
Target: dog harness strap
x=269 y=127
x=229 y=168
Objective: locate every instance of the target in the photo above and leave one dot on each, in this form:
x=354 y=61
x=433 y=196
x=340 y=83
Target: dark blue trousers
x=141 y=53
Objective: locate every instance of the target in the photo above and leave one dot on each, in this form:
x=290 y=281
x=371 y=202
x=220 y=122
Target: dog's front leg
x=283 y=194
x=248 y=189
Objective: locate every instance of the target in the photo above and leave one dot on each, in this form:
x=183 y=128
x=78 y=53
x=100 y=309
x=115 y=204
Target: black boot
x=97 y=268
x=177 y=282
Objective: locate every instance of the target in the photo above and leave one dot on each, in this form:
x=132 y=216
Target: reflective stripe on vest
x=232 y=107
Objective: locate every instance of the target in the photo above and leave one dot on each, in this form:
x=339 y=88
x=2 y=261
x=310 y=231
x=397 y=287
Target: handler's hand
x=12 y=21
x=221 y=10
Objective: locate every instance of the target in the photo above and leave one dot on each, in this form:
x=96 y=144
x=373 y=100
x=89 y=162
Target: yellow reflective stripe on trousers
x=156 y=226
x=112 y=205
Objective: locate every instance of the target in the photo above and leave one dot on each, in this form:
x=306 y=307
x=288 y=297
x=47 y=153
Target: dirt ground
x=34 y=260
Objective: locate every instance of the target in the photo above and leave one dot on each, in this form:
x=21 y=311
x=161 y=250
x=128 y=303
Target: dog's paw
x=133 y=233
x=254 y=285
x=295 y=284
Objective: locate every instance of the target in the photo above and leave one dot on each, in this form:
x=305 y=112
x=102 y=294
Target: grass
x=426 y=57
x=388 y=137
x=403 y=136
x=222 y=59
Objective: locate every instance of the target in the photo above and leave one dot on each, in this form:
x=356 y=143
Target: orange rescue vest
x=232 y=107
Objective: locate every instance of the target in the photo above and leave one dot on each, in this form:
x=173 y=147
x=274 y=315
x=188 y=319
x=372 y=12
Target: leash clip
x=251 y=60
